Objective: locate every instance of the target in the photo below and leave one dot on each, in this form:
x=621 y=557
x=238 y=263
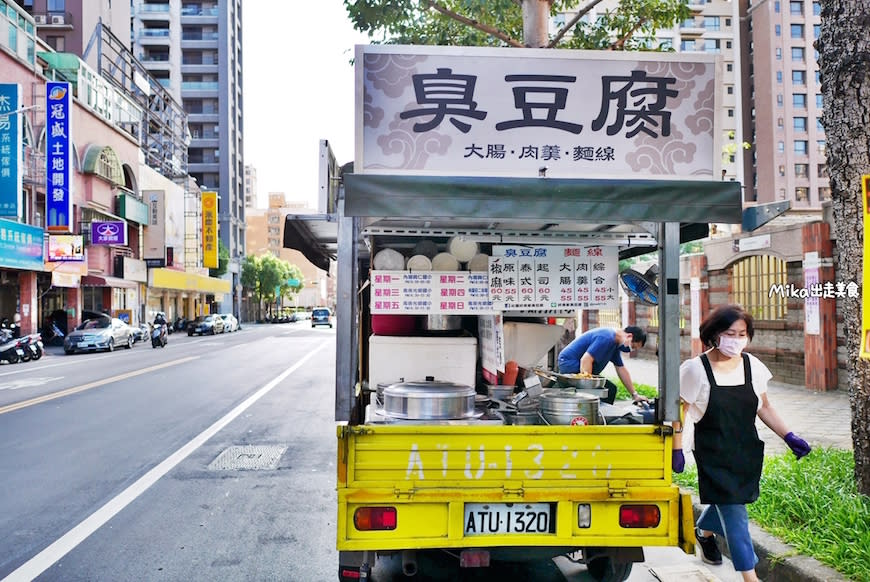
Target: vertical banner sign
x=58 y=156
x=865 y=296
x=209 y=230
x=812 y=315
x=10 y=150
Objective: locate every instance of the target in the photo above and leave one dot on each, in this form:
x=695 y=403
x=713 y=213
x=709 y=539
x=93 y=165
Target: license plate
x=83 y=344
x=509 y=518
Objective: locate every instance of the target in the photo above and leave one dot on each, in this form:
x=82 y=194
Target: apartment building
x=194 y=48
x=250 y=186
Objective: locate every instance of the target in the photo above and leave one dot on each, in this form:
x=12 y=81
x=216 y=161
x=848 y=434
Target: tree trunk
x=844 y=63
x=536 y=20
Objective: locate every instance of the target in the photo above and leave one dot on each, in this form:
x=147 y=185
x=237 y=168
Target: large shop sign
x=511 y=112
x=209 y=230
x=109 y=233
x=21 y=246
x=58 y=157
x=10 y=149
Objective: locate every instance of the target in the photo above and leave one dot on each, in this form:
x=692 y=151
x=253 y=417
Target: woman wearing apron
x=722 y=392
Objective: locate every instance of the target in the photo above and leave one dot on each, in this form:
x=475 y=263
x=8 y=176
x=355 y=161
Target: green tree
x=223 y=261
x=267 y=278
x=500 y=22
x=844 y=64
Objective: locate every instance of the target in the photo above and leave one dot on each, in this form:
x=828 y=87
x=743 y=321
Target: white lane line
x=66 y=543
x=90 y=385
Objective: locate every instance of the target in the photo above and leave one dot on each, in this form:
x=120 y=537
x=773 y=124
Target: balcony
x=153 y=8
x=691 y=28
x=54 y=20
x=200 y=86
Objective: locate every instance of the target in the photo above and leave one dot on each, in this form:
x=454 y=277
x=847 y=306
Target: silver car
x=230 y=322
x=102 y=333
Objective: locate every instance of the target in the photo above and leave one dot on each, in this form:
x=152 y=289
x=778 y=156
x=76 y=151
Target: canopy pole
x=669 y=319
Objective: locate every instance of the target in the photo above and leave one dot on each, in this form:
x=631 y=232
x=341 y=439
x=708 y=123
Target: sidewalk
x=823 y=419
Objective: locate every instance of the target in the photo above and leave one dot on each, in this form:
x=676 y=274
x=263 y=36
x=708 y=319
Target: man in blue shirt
x=593 y=350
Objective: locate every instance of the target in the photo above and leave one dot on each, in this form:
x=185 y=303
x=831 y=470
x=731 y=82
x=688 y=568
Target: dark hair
x=721 y=319
x=637 y=334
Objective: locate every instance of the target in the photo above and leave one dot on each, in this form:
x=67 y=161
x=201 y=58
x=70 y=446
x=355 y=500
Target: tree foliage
x=500 y=22
x=267 y=278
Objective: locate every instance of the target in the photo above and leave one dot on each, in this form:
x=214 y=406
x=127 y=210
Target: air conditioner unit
x=39 y=19
x=57 y=19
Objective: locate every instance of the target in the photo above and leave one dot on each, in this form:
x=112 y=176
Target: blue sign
x=10 y=149
x=21 y=246
x=58 y=156
x=109 y=233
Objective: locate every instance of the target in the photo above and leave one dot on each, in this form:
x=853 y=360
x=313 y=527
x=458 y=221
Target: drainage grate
x=249 y=458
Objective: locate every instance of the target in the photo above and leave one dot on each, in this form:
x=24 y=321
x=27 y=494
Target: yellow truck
x=469 y=489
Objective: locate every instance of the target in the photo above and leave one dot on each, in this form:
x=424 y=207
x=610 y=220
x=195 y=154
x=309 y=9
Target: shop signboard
x=65 y=247
x=21 y=246
x=58 y=156
x=507 y=112
x=109 y=233
x=210 y=230
x=155 y=229
x=11 y=167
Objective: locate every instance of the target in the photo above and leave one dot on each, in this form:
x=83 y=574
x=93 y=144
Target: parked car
x=206 y=324
x=230 y=322
x=102 y=333
x=141 y=332
x=321 y=316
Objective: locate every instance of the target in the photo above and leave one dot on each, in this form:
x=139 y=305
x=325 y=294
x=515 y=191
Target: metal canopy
x=556 y=199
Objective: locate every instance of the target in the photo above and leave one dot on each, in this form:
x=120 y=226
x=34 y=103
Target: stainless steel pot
x=428 y=400
x=559 y=407
x=439 y=322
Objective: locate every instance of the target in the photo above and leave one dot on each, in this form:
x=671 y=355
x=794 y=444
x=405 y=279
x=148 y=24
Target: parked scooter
x=24 y=344
x=36 y=346
x=9 y=350
x=159 y=336
x=180 y=324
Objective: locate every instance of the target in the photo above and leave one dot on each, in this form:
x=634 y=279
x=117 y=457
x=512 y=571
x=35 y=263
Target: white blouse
x=695 y=389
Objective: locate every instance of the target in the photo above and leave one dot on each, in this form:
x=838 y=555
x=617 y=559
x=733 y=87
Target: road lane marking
x=89 y=385
x=29 y=382
x=68 y=542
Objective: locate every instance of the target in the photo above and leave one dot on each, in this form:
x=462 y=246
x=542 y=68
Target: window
x=730 y=90
x=796 y=7
x=752 y=279
x=779 y=99
x=56 y=5
x=779 y=76
x=711 y=45
x=801 y=170
x=801 y=147
x=780 y=146
x=730 y=113
x=817 y=29
x=779 y=122
x=820 y=102
x=822 y=171
x=820 y=146
x=799 y=100
x=711 y=22
x=800 y=123
x=778 y=54
x=824 y=193
x=777 y=29
x=798 y=54
x=781 y=170
x=727 y=44
x=776 y=6
x=727 y=22
x=687 y=45
x=799 y=77
x=797 y=30
x=802 y=194
x=819 y=125
x=729 y=67
x=817 y=8
x=818 y=75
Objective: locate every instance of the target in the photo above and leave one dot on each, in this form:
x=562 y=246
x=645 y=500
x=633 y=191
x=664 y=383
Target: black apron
x=728 y=452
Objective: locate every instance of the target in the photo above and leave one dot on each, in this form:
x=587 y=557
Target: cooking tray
x=572 y=380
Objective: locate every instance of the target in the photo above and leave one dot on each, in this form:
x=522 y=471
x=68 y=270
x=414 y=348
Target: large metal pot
x=440 y=322
x=428 y=400
x=559 y=407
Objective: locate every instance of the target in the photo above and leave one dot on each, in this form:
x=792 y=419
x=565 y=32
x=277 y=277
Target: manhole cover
x=248 y=458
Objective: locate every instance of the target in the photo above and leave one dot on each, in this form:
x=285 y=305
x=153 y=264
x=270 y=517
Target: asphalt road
x=112 y=466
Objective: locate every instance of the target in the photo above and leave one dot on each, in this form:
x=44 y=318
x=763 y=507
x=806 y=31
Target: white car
x=230 y=322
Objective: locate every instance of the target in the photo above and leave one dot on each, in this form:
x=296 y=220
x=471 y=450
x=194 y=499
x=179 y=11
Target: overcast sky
x=298 y=89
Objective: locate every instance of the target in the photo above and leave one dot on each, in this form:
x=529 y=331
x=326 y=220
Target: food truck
x=491 y=191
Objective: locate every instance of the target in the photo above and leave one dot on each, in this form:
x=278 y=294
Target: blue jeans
x=732 y=523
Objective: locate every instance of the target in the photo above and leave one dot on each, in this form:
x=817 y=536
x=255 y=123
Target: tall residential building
x=67 y=26
x=195 y=50
x=784 y=93
x=250 y=186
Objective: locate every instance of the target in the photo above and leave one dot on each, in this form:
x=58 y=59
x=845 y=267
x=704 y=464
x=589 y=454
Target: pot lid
x=566 y=397
x=428 y=389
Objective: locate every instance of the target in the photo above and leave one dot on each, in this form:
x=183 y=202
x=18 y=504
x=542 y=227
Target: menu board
x=453 y=292
x=553 y=277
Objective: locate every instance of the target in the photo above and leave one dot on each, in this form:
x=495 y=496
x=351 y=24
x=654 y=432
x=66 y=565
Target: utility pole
x=536 y=20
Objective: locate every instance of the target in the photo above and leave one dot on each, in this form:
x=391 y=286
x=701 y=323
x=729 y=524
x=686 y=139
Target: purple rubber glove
x=678 y=461
x=798 y=446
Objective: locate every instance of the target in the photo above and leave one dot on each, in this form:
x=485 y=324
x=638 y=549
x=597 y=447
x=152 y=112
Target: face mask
x=732 y=346
x=626 y=347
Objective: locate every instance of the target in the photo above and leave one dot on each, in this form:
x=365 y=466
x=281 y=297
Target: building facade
x=195 y=51
x=251 y=188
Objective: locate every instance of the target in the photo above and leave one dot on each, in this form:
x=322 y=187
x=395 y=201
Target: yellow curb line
x=83 y=387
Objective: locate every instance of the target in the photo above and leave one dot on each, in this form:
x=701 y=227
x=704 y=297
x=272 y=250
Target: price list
x=449 y=292
x=553 y=277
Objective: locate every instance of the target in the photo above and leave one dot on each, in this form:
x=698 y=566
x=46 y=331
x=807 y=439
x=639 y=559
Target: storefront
x=182 y=294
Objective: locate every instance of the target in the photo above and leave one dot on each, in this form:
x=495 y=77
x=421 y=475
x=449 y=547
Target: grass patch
x=644 y=389
x=813 y=505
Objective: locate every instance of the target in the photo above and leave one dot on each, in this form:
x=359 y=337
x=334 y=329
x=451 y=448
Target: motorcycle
x=26 y=351
x=158 y=336
x=36 y=346
x=9 y=350
x=180 y=324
